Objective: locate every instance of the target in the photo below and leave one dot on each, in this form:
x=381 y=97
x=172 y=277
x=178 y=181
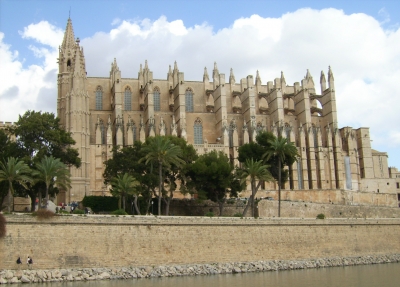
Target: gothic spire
x=322 y=79
x=215 y=71
x=205 y=75
x=69 y=37
x=232 y=79
x=330 y=74
x=308 y=75
x=258 y=78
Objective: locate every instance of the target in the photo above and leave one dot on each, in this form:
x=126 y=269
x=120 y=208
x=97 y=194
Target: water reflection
x=382 y=275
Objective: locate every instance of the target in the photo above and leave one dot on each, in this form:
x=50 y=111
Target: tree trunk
x=46 y=198
x=221 y=206
x=33 y=202
x=253 y=194
x=135 y=204
x=167 y=202
x=40 y=199
x=160 y=188
x=279 y=188
x=123 y=202
x=9 y=198
x=247 y=206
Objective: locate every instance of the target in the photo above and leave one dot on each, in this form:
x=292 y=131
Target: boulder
x=25 y=279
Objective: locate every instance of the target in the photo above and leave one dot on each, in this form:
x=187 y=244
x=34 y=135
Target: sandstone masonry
x=68 y=242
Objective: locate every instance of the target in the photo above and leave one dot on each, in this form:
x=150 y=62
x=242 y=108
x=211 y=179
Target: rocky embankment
x=85 y=274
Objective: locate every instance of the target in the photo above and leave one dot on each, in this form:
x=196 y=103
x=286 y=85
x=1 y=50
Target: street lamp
x=152 y=207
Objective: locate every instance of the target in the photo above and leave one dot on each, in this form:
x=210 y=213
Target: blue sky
x=359 y=39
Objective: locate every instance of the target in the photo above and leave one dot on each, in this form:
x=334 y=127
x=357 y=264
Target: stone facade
x=94 y=241
x=217 y=113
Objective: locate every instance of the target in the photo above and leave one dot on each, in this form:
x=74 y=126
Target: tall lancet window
x=128 y=99
x=99 y=98
x=198 y=131
x=157 y=105
x=189 y=100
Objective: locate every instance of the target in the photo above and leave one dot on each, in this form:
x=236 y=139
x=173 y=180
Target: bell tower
x=73 y=108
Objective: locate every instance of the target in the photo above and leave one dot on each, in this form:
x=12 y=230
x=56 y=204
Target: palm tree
x=160 y=150
x=14 y=170
x=124 y=185
x=52 y=171
x=283 y=151
x=254 y=170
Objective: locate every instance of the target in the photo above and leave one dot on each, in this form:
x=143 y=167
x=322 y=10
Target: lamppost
x=152 y=207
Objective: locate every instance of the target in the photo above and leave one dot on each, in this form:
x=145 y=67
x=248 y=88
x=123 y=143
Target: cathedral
x=219 y=113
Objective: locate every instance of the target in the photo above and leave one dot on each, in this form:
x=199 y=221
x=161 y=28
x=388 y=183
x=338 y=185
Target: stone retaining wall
x=269 y=208
x=89 y=274
x=66 y=242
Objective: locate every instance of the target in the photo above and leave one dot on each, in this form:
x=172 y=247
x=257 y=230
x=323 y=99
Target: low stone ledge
x=192 y=221
x=132 y=272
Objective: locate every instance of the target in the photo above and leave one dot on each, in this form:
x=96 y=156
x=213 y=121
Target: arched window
x=189 y=100
x=198 y=131
x=134 y=132
x=157 y=105
x=128 y=99
x=99 y=98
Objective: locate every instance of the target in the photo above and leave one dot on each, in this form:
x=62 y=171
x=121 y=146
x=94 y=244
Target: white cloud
x=363 y=54
x=44 y=33
x=33 y=87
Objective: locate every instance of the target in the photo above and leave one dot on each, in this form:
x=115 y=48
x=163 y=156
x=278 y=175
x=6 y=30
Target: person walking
x=29 y=261
x=19 y=262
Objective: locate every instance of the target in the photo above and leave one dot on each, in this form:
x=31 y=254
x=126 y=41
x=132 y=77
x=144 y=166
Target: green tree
x=127 y=160
x=159 y=150
x=14 y=170
x=52 y=172
x=286 y=153
x=8 y=148
x=40 y=134
x=211 y=176
x=178 y=173
x=254 y=170
x=124 y=185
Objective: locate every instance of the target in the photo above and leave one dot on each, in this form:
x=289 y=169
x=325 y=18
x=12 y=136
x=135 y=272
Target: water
x=380 y=275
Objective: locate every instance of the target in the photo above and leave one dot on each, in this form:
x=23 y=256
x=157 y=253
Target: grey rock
x=25 y=279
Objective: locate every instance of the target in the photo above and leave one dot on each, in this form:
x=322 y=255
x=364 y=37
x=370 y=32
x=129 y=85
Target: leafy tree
x=52 y=172
x=123 y=185
x=161 y=151
x=39 y=134
x=211 y=175
x=14 y=170
x=286 y=153
x=178 y=172
x=8 y=148
x=254 y=170
x=127 y=160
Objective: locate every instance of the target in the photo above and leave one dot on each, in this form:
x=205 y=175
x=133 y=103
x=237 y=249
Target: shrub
x=2 y=226
x=321 y=216
x=119 y=212
x=101 y=203
x=78 y=211
x=209 y=214
x=238 y=214
x=231 y=201
x=43 y=214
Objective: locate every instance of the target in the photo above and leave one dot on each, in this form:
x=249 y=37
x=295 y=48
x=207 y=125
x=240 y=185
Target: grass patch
x=78 y=211
x=321 y=216
x=119 y=212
